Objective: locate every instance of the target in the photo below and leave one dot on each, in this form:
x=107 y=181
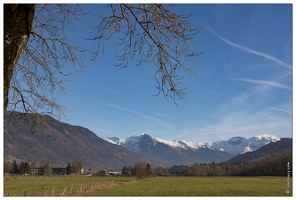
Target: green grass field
x=160 y=186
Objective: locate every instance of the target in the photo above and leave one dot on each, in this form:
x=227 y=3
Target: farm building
x=103 y=172
x=115 y=173
x=49 y=169
x=58 y=169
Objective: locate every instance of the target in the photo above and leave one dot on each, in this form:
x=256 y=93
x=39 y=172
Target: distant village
x=45 y=169
x=274 y=165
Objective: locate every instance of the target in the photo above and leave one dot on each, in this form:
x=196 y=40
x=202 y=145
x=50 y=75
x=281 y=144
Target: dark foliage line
x=278 y=165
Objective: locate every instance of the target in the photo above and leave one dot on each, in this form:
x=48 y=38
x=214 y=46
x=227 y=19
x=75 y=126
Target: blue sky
x=243 y=86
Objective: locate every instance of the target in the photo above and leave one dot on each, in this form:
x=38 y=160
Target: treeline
x=26 y=168
x=23 y=168
x=279 y=165
x=270 y=166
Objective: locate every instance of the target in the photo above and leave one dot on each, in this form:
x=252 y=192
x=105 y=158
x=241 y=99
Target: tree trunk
x=18 y=20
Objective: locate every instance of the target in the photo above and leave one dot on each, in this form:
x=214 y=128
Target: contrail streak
x=279 y=62
x=287 y=111
x=263 y=82
x=128 y=110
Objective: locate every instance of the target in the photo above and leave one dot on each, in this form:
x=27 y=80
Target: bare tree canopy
x=158 y=35
x=38 y=56
x=38 y=76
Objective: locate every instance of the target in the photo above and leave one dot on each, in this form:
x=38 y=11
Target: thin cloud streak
x=246 y=49
x=240 y=129
x=287 y=111
x=155 y=120
x=232 y=101
x=128 y=110
x=242 y=123
x=165 y=115
x=263 y=82
x=240 y=102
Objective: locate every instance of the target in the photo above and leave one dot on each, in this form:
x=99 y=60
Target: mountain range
x=170 y=152
x=58 y=142
x=231 y=147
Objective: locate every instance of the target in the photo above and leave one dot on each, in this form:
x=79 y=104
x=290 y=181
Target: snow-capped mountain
x=239 y=145
x=183 y=152
x=182 y=144
x=132 y=143
x=280 y=147
x=115 y=140
x=171 y=152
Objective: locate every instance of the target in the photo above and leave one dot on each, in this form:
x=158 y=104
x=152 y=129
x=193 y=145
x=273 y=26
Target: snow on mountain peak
x=235 y=145
x=180 y=144
x=171 y=143
x=239 y=145
x=115 y=140
x=247 y=149
x=132 y=143
x=266 y=137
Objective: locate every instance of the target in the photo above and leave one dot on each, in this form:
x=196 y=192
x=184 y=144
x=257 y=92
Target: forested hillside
x=61 y=143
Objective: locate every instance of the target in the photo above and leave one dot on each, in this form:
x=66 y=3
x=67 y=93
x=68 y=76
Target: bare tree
x=38 y=57
x=76 y=166
x=140 y=170
x=17 y=29
x=155 y=34
x=37 y=54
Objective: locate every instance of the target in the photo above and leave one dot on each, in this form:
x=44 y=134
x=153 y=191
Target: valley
x=58 y=142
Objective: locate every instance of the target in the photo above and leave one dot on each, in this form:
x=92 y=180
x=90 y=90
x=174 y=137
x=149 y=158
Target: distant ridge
x=281 y=147
x=233 y=146
x=186 y=153
x=59 y=142
x=178 y=154
x=239 y=145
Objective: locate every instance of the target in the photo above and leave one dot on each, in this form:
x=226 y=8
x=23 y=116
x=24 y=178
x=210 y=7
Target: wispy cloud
x=224 y=100
x=282 y=110
x=237 y=101
x=165 y=115
x=241 y=123
x=263 y=85
x=246 y=49
x=155 y=120
x=263 y=82
x=128 y=110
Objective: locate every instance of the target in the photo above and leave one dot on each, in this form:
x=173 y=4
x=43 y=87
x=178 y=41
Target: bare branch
x=46 y=62
x=151 y=33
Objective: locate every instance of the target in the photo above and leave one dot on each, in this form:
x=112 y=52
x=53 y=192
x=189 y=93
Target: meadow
x=159 y=186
